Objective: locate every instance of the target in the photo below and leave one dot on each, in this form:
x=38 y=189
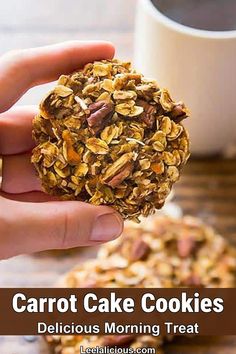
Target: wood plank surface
x=200 y=192
x=48 y=22
x=207 y=190
x=66 y=15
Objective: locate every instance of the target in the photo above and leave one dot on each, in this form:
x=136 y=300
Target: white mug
x=197 y=66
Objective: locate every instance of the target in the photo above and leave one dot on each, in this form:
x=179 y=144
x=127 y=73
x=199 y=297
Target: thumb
x=33 y=227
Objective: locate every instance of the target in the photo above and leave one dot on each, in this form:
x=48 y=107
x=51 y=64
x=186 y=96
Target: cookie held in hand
x=108 y=135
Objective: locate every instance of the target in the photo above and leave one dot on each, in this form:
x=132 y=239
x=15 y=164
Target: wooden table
x=207 y=189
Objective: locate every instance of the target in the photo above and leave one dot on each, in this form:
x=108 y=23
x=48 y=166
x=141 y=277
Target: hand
x=31 y=221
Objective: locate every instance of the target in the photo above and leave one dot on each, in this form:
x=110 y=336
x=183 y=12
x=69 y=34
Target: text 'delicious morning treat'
x=108 y=135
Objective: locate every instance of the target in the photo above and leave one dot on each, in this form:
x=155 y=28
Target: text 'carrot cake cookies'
x=108 y=135
x=168 y=253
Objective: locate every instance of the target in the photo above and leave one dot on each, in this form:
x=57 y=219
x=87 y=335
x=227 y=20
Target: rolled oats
x=164 y=252
x=107 y=135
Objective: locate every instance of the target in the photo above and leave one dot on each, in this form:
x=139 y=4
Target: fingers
x=30 y=227
x=19 y=175
x=16 y=130
x=32 y=197
x=20 y=70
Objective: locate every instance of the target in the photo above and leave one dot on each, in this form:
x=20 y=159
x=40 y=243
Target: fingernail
x=107 y=227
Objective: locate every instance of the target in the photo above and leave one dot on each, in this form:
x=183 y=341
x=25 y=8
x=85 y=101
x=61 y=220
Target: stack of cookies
x=164 y=253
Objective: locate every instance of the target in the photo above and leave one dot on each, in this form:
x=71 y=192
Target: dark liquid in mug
x=211 y=15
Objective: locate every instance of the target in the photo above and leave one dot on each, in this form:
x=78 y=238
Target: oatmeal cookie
x=108 y=135
x=164 y=253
